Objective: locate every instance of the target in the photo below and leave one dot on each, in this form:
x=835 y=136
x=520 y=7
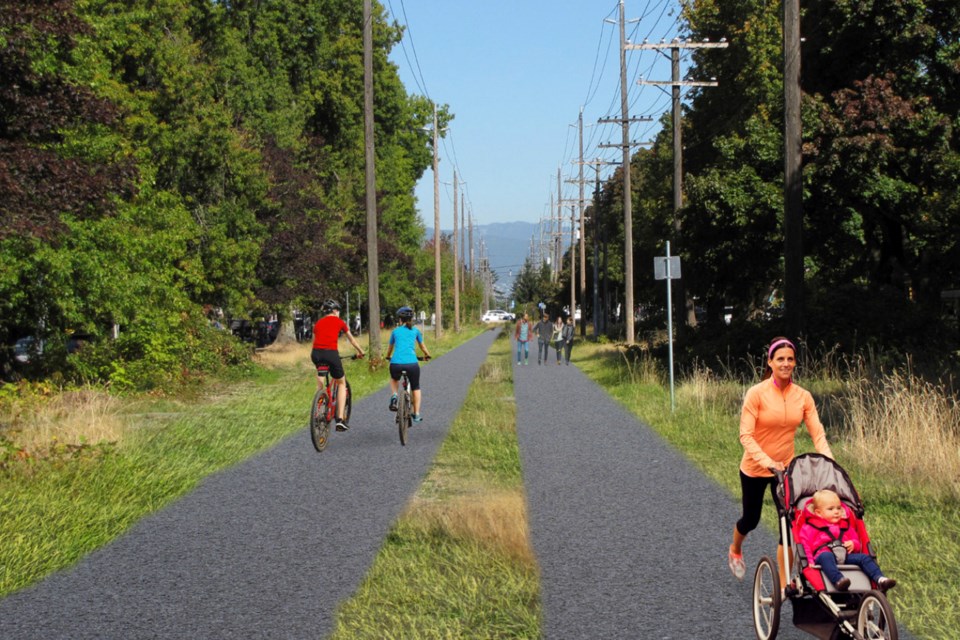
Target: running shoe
x=736 y=564
x=342 y=425
x=393 y=403
x=417 y=417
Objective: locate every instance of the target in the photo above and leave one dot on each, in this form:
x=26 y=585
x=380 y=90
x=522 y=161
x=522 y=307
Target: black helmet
x=329 y=305
x=405 y=313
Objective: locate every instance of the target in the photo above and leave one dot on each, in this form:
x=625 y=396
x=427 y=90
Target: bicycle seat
x=323 y=368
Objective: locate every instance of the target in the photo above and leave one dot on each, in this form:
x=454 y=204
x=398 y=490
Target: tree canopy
x=162 y=158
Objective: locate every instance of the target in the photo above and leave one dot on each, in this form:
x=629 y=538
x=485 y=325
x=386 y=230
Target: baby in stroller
x=819 y=511
x=827 y=532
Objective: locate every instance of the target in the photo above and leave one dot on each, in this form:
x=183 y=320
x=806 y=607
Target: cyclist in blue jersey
x=402 y=354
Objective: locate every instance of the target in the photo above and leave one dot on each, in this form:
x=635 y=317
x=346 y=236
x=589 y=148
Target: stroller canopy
x=810 y=472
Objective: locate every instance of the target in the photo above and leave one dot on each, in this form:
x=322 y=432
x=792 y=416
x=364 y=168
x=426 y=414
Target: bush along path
x=630 y=537
x=266 y=548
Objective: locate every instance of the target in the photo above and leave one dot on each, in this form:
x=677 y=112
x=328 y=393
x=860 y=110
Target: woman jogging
x=772 y=411
x=402 y=354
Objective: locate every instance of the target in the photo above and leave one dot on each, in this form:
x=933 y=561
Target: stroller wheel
x=875 y=618
x=766 y=599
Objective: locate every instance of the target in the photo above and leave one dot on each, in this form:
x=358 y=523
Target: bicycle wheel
x=403 y=415
x=319 y=424
x=875 y=618
x=766 y=599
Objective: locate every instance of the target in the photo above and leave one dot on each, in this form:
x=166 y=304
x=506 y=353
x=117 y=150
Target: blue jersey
x=404 y=340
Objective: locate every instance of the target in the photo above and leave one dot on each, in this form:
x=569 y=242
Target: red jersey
x=326 y=332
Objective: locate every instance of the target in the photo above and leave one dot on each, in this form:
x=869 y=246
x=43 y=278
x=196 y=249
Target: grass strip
x=916 y=534
x=55 y=510
x=458 y=562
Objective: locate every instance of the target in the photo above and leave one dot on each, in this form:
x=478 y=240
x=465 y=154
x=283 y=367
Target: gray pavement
x=630 y=537
x=265 y=549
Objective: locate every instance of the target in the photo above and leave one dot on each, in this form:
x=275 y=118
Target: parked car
x=496 y=315
x=27 y=348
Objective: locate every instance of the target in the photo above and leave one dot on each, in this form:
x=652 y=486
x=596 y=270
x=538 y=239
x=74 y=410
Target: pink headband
x=780 y=343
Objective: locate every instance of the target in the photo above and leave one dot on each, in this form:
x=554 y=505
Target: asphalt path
x=265 y=549
x=630 y=537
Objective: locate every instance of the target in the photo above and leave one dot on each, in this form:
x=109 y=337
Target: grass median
x=458 y=562
x=904 y=463
x=79 y=467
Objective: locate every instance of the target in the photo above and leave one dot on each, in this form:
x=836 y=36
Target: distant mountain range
x=507 y=245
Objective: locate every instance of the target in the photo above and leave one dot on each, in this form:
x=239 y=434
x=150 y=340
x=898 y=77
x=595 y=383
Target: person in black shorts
x=326 y=351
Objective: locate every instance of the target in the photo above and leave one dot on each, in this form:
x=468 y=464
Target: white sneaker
x=736 y=564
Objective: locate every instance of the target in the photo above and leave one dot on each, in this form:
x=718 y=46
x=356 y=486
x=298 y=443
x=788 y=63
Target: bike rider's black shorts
x=329 y=357
x=413 y=373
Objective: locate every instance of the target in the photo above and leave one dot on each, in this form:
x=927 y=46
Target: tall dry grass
x=73 y=417
x=906 y=427
x=494 y=520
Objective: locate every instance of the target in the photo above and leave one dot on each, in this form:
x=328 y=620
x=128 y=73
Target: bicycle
x=323 y=411
x=404 y=406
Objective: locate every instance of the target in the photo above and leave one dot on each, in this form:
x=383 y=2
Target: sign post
x=668 y=268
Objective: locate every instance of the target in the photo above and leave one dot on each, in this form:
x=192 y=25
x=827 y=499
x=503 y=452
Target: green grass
x=917 y=536
x=458 y=563
x=56 y=509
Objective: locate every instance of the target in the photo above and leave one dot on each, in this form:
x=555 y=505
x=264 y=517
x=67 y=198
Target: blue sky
x=515 y=74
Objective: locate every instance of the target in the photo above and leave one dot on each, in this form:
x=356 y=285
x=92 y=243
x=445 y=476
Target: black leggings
x=752 y=495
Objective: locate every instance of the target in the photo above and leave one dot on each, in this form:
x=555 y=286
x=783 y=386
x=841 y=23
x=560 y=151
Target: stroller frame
x=862 y=612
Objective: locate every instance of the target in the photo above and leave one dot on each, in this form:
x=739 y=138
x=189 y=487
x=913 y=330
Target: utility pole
x=596 y=164
x=557 y=242
x=583 y=261
x=627 y=195
x=463 y=237
x=473 y=266
x=437 y=307
x=675 y=84
x=573 y=260
x=793 y=174
x=456 y=261
x=373 y=267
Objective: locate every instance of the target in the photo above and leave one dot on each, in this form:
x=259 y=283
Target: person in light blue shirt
x=522 y=335
x=402 y=354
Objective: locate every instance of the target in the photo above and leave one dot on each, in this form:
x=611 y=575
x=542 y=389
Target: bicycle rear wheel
x=319 y=424
x=403 y=415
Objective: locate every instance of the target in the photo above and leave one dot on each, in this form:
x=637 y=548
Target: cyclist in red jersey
x=326 y=337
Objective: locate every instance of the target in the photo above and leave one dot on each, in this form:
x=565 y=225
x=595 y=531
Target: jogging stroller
x=861 y=612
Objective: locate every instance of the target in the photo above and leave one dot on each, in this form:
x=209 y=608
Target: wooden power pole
x=456 y=260
x=437 y=307
x=793 y=176
x=683 y=299
x=373 y=267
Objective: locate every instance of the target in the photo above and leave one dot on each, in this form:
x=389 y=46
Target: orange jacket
x=768 y=424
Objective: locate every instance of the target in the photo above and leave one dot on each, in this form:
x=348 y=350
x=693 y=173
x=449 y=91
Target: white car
x=496 y=315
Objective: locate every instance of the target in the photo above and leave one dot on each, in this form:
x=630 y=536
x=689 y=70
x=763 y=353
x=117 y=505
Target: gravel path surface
x=631 y=538
x=265 y=549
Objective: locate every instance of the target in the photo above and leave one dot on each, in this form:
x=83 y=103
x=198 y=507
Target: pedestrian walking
x=544 y=331
x=522 y=335
x=556 y=337
x=568 y=331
